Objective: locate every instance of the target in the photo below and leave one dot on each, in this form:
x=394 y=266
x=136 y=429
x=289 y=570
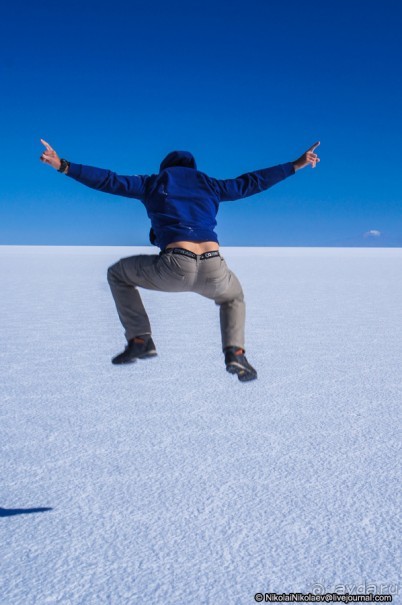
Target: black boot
x=139 y=347
x=236 y=363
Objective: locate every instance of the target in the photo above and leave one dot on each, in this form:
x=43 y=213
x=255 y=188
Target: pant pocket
x=216 y=285
x=170 y=268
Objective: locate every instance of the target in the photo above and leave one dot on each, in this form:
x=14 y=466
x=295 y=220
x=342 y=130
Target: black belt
x=185 y=252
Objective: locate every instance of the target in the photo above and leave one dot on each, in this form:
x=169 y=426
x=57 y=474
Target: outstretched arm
x=260 y=180
x=98 y=178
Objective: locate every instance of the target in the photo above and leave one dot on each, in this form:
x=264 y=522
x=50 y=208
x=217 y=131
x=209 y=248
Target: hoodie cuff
x=288 y=169
x=74 y=170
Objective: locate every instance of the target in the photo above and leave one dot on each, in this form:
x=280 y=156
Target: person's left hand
x=50 y=156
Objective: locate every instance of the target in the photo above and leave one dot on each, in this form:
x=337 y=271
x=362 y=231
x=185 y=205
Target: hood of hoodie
x=178 y=158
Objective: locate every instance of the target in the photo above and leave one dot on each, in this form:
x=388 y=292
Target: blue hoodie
x=181 y=202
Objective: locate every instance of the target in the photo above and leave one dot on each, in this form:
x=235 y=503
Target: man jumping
x=182 y=203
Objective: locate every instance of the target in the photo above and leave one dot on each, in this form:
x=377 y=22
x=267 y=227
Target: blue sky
x=119 y=85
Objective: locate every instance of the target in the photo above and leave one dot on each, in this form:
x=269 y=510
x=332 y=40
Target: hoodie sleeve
x=251 y=182
x=108 y=181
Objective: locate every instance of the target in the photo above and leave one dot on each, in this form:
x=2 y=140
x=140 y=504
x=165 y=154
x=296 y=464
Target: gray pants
x=169 y=272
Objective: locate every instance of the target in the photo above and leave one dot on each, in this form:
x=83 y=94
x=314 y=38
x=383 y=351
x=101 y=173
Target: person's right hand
x=50 y=156
x=307 y=158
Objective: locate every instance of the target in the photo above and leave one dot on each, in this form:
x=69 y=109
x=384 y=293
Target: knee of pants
x=240 y=296
x=237 y=297
x=114 y=273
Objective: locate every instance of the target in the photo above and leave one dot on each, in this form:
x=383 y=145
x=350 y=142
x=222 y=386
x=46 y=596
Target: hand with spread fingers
x=50 y=156
x=307 y=158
